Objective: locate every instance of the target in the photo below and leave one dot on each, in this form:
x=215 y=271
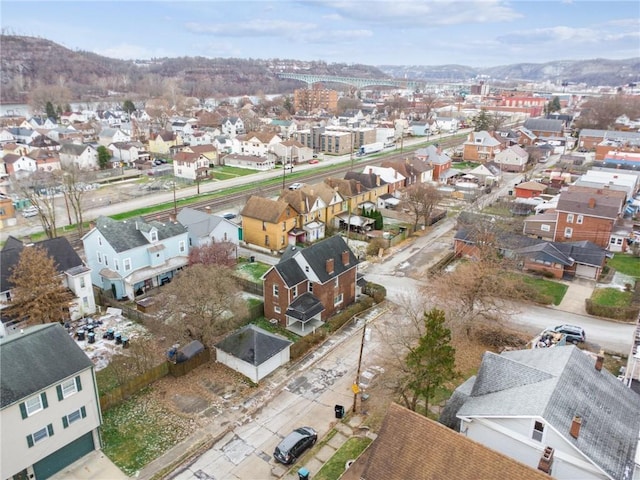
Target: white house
x=555 y=408
x=49 y=405
x=258 y=143
x=253 y=352
x=129 y=152
x=20 y=166
x=232 y=126
x=83 y=156
x=112 y=135
x=512 y=159
x=262 y=164
x=191 y=166
x=205 y=229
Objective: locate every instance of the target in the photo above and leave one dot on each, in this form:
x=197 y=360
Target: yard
x=625 y=263
x=611 y=297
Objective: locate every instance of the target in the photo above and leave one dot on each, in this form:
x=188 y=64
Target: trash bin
x=80 y=334
x=303 y=474
x=252 y=259
x=91 y=337
x=118 y=337
x=339 y=409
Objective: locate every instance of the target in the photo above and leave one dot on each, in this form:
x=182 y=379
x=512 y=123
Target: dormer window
x=154 y=235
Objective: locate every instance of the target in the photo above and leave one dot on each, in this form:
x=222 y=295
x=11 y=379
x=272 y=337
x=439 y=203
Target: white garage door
x=586 y=271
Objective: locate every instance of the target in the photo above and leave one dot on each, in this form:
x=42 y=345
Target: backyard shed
x=253 y=352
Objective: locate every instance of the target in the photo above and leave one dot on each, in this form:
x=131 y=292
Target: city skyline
x=376 y=32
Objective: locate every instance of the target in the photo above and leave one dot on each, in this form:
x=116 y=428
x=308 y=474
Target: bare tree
x=217 y=253
x=202 y=303
x=57 y=95
x=40 y=188
x=421 y=199
x=74 y=181
x=37 y=294
x=602 y=112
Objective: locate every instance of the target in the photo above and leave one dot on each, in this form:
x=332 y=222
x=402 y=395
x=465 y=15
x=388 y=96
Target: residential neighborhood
x=325 y=244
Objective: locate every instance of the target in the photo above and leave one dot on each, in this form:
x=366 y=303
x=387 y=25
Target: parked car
x=573 y=333
x=31 y=211
x=294 y=444
x=295 y=186
x=314 y=161
x=228 y=215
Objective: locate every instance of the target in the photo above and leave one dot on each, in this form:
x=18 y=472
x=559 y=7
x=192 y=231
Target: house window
x=85 y=302
x=266 y=240
x=294 y=291
x=126 y=264
x=568 y=232
x=336 y=282
x=276 y=309
x=310 y=287
x=99 y=240
x=284 y=226
x=538 y=431
x=74 y=417
x=99 y=255
x=181 y=246
x=40 y=435
x=570 y=218
x=154 y=236
x=580 y=219
x=225 y=238
x=116 y=264
x=106 y=261
x=82 y=282
x=67 y=388
x=306 y=268
x=264 y=225
x=34 y=404
x=545 y=228
x=337 y=300
x=275 y=290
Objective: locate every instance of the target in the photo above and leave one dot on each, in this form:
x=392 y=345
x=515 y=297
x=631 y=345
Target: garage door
x=586 y=271
x=63 y=457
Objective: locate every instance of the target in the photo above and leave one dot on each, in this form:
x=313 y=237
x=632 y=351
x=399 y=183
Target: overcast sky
x=372 y=32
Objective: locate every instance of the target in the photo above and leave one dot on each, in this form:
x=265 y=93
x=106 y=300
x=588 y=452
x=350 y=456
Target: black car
x=573 y=333
x=294 y=444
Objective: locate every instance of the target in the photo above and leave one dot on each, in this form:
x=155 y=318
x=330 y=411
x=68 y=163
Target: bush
x=375 y=245
x=375 y=291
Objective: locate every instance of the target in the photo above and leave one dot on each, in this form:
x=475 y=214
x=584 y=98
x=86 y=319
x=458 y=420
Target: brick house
x=587 y=214
x=529 y=189
x=481 y=147
x=308 y=286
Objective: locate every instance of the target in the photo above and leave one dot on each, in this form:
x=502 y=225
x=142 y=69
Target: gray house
x=556 y=407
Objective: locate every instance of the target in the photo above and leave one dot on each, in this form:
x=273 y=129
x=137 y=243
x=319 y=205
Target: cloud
x=251 y=28
x=558 y=35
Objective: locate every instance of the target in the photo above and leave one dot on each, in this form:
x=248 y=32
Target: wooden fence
x=119 y=394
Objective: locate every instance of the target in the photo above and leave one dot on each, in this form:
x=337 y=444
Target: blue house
x=129 y=257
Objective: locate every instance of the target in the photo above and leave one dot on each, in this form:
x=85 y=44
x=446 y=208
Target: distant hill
x=29 y=63
x=589 y=72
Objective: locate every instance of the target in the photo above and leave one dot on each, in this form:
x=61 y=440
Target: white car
x=30 y=212
x=295 y=186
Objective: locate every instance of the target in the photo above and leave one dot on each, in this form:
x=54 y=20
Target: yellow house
x=161 y=143
x=270 y=224
x=356 y=193
x=210 y=152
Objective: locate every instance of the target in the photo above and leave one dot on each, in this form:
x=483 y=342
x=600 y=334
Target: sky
x=372 y=32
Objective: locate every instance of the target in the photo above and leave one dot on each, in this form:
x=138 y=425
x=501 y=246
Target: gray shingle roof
x=253 y=345
x=36 y=359
x=200 y=224
x=305 y=307
x=556 y=384
x=329 y=248
x=126 y=234
x=544 y=125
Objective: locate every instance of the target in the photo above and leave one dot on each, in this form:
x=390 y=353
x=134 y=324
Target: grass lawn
x=334 y=467
x=611 y=297
x=544 y=287
x=234 y=171
x=625 y=263
x=264 y=324
x=139 y=431
x=252 y=270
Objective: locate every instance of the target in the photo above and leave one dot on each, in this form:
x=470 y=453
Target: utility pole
x=356 y=383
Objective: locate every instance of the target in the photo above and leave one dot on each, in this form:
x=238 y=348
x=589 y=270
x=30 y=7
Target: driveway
x=574 y=300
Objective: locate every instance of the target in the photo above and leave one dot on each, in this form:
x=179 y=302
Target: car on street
x=313 y=161
x=295 y=186
x=294 y=445
x=228 y=215
x=573 y=333
x=31 y=211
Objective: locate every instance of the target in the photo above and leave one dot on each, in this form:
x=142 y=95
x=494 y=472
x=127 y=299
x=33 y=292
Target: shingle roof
x=411 y=446
x=199 y=224
x=305 y=307
x=264 y=209
x=127 y=234
x=39 y=357
x=544 y=125
x=555 y=384
x=59 y=249
x=607 y=205
x=253 y=345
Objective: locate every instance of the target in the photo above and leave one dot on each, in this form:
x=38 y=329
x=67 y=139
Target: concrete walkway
x=574 y=299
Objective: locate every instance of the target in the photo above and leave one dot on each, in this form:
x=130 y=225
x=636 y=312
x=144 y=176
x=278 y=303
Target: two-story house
x=19 y=166
x=309 y=285
x=258 y=144
x=49 y=405
x=129 y=257
x=232 y=126
x=207 y=150
x=335 y=203
x=393 y=178
x=555 y=408
x=82 y=156
x=545 y=128
x=481 y=147
x=311 y=208
x=191 y=166
x=439 y=162
x=356 y=197
x=162 y=142
x=512 y=159
x=588 y=214
x=270 y=224
x=129 y=153
x=73 y=273
x=112 y=135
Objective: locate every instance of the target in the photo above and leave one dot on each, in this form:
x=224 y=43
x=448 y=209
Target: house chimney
x=329 y=264
x=92 y=225
x=599 y=362
x=345 y=258
x=546 y=460
x=207 y=209
x=377 y=180
x=576 y=423
x=370 y=169
x=592 y=202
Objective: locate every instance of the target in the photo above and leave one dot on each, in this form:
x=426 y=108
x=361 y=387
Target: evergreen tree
x=50 y=110
x=481 y=121
x=430 y=363
x=104 y=156
x=128 y=106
